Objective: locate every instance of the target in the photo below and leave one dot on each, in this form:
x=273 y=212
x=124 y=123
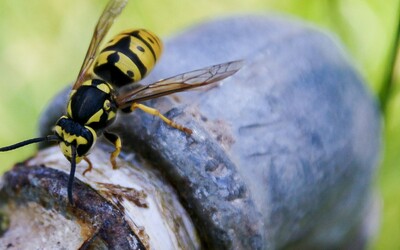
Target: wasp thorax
x=93 y=104
x=74 y=134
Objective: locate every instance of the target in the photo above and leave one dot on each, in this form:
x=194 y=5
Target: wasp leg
x=90 y=165
x=155 y=112
x=116 y=141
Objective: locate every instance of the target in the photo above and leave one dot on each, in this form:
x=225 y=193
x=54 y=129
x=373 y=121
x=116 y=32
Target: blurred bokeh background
x=43 y=42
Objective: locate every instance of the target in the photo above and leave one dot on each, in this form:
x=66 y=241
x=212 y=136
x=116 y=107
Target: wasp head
x=73 y=134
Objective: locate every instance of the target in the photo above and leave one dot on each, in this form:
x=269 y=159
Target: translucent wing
x=178 y=83
x=112 y=10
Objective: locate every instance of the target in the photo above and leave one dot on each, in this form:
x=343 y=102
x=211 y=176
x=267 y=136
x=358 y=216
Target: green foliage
x=43 y=43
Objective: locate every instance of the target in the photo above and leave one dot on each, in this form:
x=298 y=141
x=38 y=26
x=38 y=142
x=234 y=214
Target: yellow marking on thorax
x=72 y=93
x=111 y=115
x=106 y=88
x=96 y=117
x=87 y=83
x=69 y=109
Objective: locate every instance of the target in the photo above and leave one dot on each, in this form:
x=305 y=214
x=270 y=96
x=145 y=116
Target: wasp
x=95 y=99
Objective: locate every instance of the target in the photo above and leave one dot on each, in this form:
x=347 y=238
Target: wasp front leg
x=116 y=141
x=155 y=112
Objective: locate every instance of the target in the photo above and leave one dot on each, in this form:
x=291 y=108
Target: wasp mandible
x=94 y=99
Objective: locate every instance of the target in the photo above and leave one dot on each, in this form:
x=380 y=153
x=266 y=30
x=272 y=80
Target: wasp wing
x=178 y=83
x=112 y=10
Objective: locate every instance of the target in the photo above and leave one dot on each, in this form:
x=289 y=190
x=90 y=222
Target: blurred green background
x=43 y=42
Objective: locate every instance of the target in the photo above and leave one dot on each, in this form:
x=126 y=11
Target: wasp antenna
x=30 y=141
x=71 y=174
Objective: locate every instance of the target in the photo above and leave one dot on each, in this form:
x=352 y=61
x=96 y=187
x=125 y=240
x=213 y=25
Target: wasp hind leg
x=116 y=141
x=155 y=112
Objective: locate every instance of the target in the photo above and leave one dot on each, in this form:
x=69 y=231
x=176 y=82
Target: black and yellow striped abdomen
x=128 y=57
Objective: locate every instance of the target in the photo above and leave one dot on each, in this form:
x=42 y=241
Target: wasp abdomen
x=128 y=57
x=93 y=104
